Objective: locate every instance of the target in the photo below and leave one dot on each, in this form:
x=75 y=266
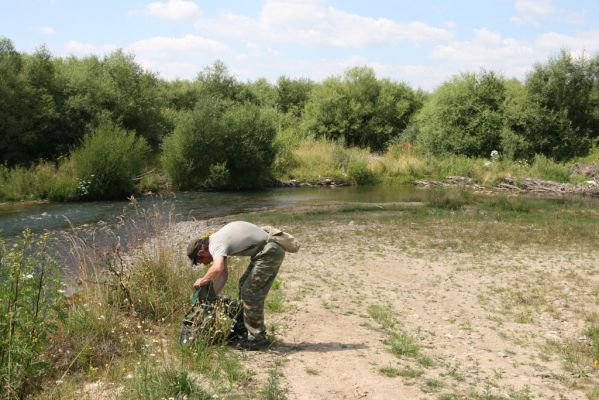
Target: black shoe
x=252 y=345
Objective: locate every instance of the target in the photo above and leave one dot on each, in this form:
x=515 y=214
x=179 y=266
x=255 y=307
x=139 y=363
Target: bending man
x=241 y=238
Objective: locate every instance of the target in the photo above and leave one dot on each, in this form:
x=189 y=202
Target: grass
x=400 y=343
x=120 y=316
x=120 y=326
x=272 y=389
x=310 y=160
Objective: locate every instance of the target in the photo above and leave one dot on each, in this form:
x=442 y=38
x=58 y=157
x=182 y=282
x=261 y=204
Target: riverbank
x=449 y=298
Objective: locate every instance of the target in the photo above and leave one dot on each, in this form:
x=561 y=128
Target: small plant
x=409 y=372
x=592 y=333
x=403 y=345
x=448 y=199
x=30 y=300
x=390 y=372
x=271 y=390
x=431 y=385
x=152 y=382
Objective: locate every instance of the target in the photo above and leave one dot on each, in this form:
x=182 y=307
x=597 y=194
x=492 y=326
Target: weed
x=403 y=345
x=154 y=383
x=390 y=372
x=311 y=371
x=271 y=390
x=409 y=372
x=431 y=385
x=30 y=303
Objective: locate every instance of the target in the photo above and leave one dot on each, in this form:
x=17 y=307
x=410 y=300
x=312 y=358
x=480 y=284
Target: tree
x=108 y=160
x=464 y=116
x=360 y=109
x=292 y=95
x=221 y=145
x=563 y=92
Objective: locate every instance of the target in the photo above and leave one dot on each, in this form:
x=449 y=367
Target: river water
x=186 y=205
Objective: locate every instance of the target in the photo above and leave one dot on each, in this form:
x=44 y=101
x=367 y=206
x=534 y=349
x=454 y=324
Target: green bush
x=360 y=109
x=30 y=300
x=464 y=116
x=221 y=146
x=362 y=175
x=42 y=181
x=107 y=162
x=544 y=168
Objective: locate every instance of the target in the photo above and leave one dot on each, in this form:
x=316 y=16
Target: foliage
x=48 y=104
x=114 y=88
x=220 y=146
x=360 y=109
x=292 y=95
x=42 y=181
x=30 y=300
x=154 y=382
x=29 y=106
x=464 y=116
x=107 y=162
x=565 y=91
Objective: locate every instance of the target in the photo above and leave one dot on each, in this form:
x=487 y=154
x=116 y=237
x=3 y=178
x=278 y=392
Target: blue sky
x=420 y=42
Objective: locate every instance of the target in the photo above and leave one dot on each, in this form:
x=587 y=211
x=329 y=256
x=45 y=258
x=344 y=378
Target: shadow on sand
x=323 y=347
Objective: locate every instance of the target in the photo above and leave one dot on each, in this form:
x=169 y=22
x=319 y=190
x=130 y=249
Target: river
x=54 y=217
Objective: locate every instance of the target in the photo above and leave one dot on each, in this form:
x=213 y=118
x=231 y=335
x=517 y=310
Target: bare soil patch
x=488 y=321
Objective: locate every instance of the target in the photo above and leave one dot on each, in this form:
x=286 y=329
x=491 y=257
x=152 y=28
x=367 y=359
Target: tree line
x=105 y=119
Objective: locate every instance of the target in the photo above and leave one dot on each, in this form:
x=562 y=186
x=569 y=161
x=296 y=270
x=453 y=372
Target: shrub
x=360 y=109
x=464 y=116
x=107 y=162
x=221 y=145
x=42 y=181
x=30 y=300
x=544 y=168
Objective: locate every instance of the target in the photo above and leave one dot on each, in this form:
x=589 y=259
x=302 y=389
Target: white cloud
x=535 y=7
x=79 y=48
x=486 y=46
x=181 y=57
x=535 y=12
x=488 y=50
x=47 y=30
x=313 y=24
x=580 y=43
x=84 y=49
x=173 y=9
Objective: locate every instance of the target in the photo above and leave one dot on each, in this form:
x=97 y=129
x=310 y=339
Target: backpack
x=286 y=240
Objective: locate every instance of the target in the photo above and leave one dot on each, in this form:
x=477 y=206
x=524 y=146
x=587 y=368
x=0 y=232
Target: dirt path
x=484 y=324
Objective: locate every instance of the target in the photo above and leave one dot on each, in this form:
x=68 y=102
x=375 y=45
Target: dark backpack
x=212 y=319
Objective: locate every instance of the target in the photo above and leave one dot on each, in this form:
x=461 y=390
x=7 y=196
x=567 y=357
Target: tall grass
x=309 y=160
x=44 y=180
x=30 y=301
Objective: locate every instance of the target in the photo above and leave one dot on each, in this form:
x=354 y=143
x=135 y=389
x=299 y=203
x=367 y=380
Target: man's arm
x=217 y=273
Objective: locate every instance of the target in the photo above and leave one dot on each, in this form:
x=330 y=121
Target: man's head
x=197 y=251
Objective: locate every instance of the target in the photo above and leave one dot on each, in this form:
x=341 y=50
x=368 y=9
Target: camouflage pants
x=255 y=284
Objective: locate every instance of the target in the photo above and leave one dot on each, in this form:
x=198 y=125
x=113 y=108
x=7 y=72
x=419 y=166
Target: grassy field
x=460 y=296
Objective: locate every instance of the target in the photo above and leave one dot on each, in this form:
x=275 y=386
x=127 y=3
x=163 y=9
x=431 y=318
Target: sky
x=422 y=43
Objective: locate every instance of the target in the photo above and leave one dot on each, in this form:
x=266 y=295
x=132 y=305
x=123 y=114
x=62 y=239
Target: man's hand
x=198 y=283
x=217 y=272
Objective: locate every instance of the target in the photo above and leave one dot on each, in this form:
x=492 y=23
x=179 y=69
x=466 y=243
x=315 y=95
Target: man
x=241 y=238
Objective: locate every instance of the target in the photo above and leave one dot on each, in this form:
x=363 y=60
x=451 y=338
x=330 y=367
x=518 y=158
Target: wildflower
x=129 y=376
x=101 y=318
x=29 y=276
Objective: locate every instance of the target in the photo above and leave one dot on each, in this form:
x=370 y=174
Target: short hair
x=195 y=246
